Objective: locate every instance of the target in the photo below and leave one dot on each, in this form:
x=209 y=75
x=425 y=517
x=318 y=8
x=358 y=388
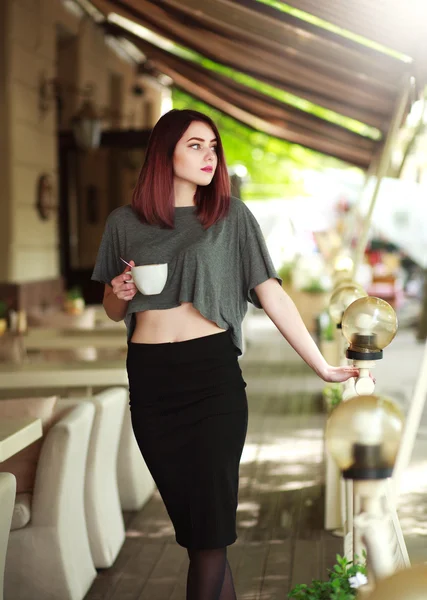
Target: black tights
x=209 y=575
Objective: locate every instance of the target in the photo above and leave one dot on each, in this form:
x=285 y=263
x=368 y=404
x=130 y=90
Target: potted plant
x=344 y=580
x=327 y=335
x=332 y=396
x=311 y=300
x=74 y=302
x=285 y=274
x=307 y=285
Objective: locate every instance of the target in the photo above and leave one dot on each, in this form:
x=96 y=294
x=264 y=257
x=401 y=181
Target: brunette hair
x=152 y=198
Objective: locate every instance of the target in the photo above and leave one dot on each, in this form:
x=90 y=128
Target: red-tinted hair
x=153 y=199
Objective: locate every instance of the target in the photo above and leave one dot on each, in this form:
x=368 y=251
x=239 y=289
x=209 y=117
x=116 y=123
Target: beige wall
x=30 y=31
x=31 y=44
x=4 y=145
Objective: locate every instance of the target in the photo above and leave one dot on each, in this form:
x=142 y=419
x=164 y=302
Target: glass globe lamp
x=369 y=325
x=344 y=295
x=342 y=267
x=363 y=436
x=408 y=584
x=343 y=282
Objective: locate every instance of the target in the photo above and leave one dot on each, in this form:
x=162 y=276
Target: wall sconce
x=86 y=124
x=45 y=204
x=87 y=127
x=49 y=93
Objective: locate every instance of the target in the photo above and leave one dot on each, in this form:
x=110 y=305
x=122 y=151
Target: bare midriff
x=177 y=324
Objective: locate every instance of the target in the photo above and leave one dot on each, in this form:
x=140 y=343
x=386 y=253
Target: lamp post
x=369 y=324
x=344 y=294
x=363 y=436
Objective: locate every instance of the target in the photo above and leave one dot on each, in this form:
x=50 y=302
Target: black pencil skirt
x=189 y=415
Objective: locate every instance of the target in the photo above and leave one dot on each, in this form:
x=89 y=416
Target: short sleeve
x=108 y=265
x=256 y=260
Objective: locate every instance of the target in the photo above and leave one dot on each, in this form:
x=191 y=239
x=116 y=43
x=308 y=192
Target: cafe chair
x=48 y=555
x=7 y=503
x=102 y=502
x=136 y=484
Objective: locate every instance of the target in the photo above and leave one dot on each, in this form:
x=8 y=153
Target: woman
x=187 y=395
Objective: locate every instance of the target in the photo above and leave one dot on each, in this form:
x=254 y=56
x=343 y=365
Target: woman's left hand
x=339 y=374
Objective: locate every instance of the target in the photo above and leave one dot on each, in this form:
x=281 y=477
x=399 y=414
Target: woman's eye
x=198 y=146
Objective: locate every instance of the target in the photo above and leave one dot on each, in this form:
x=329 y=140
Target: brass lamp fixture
x=363 y=436
x=369 y=324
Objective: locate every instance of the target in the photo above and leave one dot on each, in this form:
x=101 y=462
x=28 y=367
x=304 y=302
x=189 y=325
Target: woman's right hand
x=123 y=286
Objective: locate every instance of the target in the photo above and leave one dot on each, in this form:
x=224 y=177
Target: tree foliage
x=274 y=166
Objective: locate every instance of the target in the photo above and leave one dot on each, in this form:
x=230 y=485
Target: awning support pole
x=383 y=165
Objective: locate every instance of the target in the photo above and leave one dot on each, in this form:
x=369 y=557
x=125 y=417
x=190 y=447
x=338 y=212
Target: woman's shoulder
x=237 y=209
x=122 y=215
x=236 y=204
x=240 y=210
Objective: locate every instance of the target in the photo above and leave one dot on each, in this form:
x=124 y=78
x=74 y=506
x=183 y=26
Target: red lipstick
x=208 y=169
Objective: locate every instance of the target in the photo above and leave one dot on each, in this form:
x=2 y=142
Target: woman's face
x=195 y=158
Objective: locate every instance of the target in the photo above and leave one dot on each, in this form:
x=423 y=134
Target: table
x=18 y=433
x=59 y=375
x=63 y=339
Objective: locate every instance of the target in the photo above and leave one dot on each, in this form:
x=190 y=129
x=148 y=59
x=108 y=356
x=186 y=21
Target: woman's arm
x=118 y=295
x=113 y=306
x=284 y=314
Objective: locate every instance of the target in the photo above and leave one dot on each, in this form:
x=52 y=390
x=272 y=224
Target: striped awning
x=301 y=58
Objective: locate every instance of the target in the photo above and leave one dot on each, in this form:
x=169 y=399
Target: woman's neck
x=184 y=192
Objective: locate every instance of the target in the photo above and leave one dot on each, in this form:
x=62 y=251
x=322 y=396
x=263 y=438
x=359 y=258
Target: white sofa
x=49 y=558
x=7 y=503
x=136 y=484
x=102 y=502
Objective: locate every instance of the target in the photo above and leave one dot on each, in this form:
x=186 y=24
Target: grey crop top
x=216 y=269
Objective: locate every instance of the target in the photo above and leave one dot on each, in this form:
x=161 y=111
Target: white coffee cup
x=150 y=279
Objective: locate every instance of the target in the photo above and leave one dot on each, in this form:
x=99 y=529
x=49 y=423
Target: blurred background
x=322 y=109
